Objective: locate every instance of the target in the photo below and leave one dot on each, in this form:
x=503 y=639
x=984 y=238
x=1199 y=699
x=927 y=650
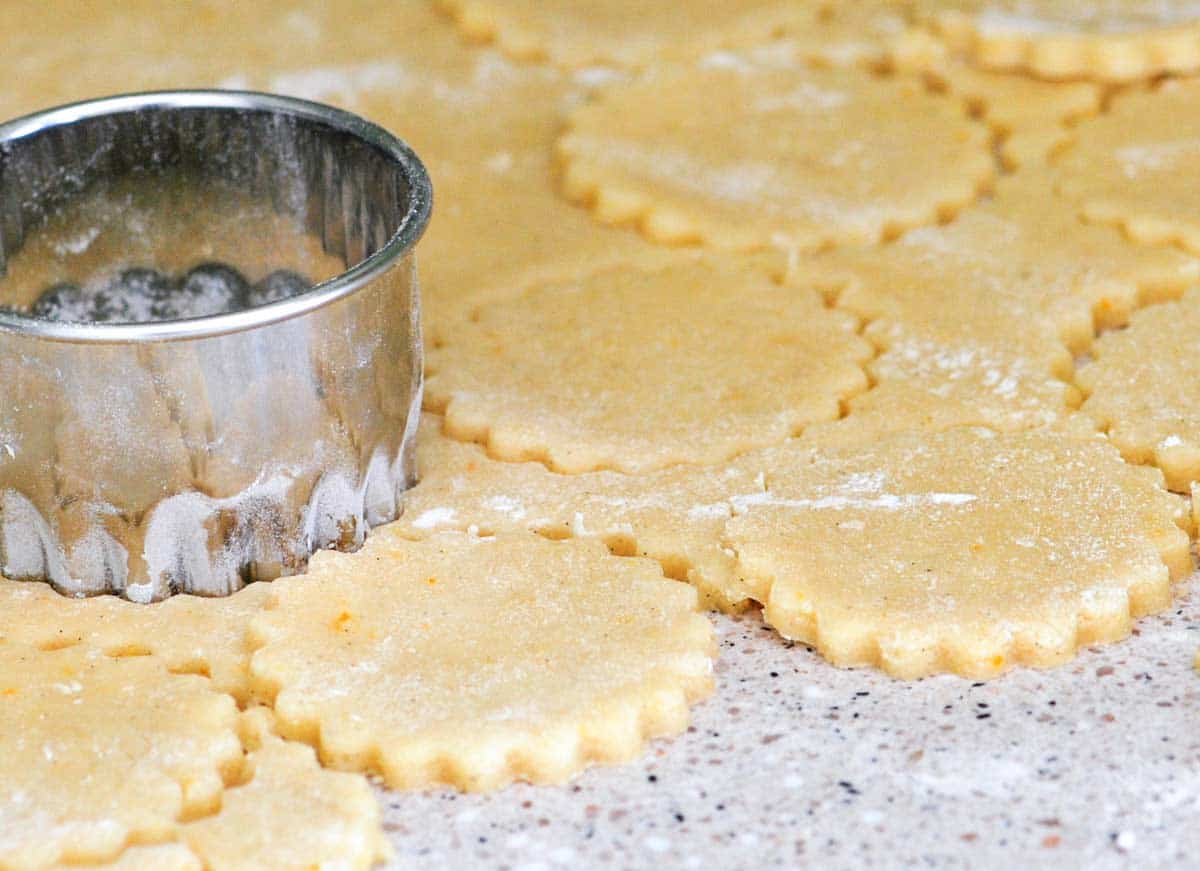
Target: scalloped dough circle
x=742 y=153
x=1108 y=40
x=964 y=551
x=476 y=662
x=625 y=33
x=636 y=370
x=1126 y=167
x=98 y=752
x=1142 y=389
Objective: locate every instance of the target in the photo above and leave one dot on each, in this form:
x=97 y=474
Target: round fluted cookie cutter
x=146 y=459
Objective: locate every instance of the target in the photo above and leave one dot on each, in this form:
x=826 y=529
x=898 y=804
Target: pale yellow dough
x=98 y=752
x=185 y=633
x=1032 y=118
x=628 y=33
x=964 y=551
x=158 y=857
x=1143 y=392
x=868 y=33
x=1107 y=40
x=747 y=152
x=485 y=128
x=475 y=662
x=647 y=515
x=290 y=814
x=635 y=370
x=1130 y=167
x=988 y=309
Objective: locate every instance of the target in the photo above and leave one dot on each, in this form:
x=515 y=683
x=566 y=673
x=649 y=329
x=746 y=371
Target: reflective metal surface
x=193 y=456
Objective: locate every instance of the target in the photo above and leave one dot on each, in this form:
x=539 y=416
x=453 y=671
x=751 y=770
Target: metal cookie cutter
x=151 y=458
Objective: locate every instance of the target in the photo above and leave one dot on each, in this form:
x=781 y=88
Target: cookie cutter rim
x=412 y=225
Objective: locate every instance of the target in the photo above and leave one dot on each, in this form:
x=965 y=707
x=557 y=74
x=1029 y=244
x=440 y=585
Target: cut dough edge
x=507 y=441
x=726 y=584
x=479 y=23
x=1142 y=441
x=1113 y=59
x=112 y=629
x=616 y=203
x=985 y=651
x=614 y=729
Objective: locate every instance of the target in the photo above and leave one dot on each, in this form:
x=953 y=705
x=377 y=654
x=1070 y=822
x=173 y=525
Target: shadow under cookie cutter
x=146 y=459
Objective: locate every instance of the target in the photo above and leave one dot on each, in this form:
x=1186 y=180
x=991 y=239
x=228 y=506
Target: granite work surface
x=794 y=763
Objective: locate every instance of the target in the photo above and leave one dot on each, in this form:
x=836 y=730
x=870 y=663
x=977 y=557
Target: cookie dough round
x=743 y=153
x=626 y=33
x=99 y=752
x=635 y=370
x=476 y=662
x=965 y=551
x=1129 y=167
x=1142 y=390
x=1107 y=40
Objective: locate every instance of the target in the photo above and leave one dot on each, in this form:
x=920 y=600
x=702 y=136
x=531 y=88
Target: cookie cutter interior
x=146 y=459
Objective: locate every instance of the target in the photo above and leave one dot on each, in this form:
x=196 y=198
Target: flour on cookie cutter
x=146 y=458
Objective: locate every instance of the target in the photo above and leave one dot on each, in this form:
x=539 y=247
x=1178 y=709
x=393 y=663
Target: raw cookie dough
x=484 y=126
x=863 y=32
x=1031 y=118
x=662 y=515
x=185 y=633
x=635 y=370
x=159 y=857
x=1142 y=389
x=1131 y=167
x=476 y=662
x=965 y=551
x=987 y=309
x=98 y=752
x=290 y=813
x=746 y=152
x=904 y=404
x=1109 y=40
x=627 y=33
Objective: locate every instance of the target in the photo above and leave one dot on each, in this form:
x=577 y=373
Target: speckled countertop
x=793 y=762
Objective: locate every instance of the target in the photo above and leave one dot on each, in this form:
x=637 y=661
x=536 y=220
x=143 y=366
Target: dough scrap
x=291 y=813
x=1125 y=167
x=635 y=370
x=666 y=515
x=185 y=633
x=624 y=33
x=956 y=551
x=1142 y=391
x=476 y=662
x=1032 y=118
x=98 y=752
x=742 y=153
x=1107 y=40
